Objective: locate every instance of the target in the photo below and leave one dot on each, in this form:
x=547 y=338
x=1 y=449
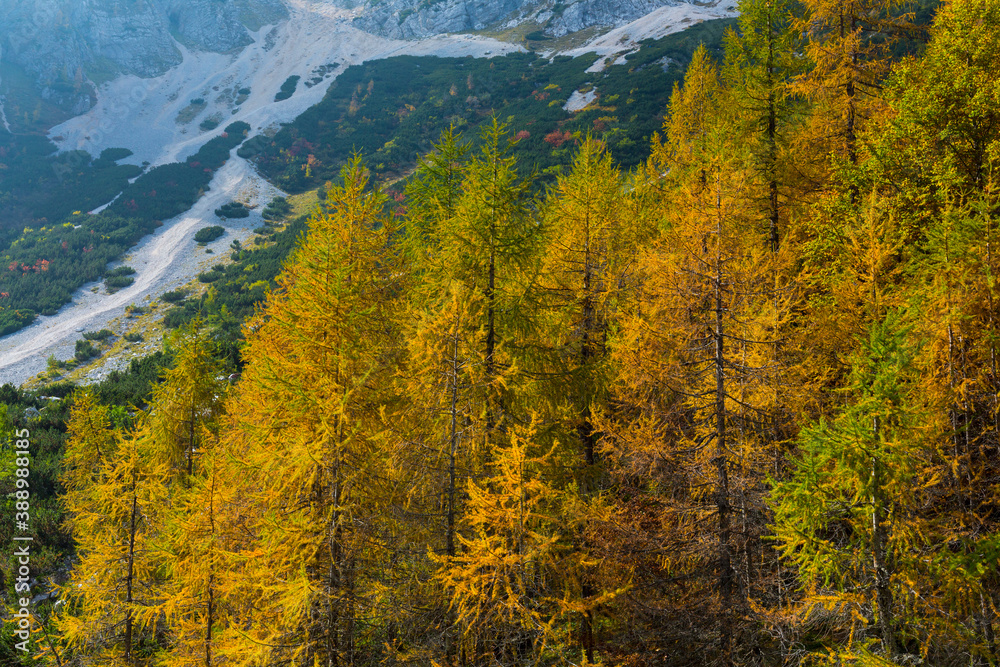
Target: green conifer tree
x=845 y=518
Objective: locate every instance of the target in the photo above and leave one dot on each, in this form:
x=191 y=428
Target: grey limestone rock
x=410 y=19
x=211 y=25
x=65 y=46
x=604 y=13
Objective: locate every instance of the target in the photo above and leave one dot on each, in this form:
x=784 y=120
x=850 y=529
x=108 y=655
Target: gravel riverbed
x=163 y=261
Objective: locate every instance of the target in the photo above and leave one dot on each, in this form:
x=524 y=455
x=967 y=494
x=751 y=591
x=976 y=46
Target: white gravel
x=578 y=101
x=3 y=116
x=658 y=23
x=141 y=114
x=163 y=261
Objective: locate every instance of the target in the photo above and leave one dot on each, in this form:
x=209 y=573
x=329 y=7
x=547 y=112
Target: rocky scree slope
x=410 y=19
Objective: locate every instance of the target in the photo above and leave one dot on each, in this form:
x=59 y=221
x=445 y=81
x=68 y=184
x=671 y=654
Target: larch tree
x=184 y=412
x=503 y=583
x=491 y=242
x=959 y=382
x=587 y=264
x=434 y=192
x=468 y=303
x=442 y=348
x=471 y=226
x=303 y=431
x=115 y=504
x=592 y=237
x=848 y=43
x=848 y=516
x=696 y=360
x=198 y=558
x=762 y=60
x=188 y=401
x=945 y=126
x=938 y=159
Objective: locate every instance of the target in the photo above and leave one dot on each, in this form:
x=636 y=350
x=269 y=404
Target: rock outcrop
x=414 y=19
x=210 y=25
x=571 y=17
x=65 y=46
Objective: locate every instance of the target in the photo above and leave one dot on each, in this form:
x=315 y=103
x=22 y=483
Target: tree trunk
x=986 y=621
x=130 y=575
x=211 y=579
x=772 y=141
x=190 y=457
x=721 y=463
x=880 y=539
x=453 y=451
x=210 y=621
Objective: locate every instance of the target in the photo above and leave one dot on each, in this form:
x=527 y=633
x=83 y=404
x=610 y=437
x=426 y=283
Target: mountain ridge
x=55 y=55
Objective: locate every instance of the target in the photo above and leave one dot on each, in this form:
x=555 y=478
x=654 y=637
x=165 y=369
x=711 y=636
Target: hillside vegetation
x=42 y=267
x=393 y=110
x=50 y=246
x=736 y=406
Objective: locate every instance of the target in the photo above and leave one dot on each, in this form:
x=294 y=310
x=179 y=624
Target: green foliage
x=287 y=88
x=237 y=288
x=121 y=271
x=15 y=320
x=533 y=430
x=42 y=269
x=949 y=120
x=114 y=154
x=38 y=188
x=277 y=209
x=132 y=387
x=209 y=234
x=209 y=276
x=119 y=277
x=171 y=189
x=845 y=515
x=85 y=351
x=173 y=296
x=50 y=542
x=116 y=280
x=209 y=123
x=103 y=334
x=233 y=210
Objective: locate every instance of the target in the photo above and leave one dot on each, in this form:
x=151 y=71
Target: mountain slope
x=59 y=50
x=286 y=69
x=414 y=19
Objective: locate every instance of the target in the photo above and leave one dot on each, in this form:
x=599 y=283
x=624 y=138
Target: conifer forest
x=734 y=406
